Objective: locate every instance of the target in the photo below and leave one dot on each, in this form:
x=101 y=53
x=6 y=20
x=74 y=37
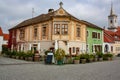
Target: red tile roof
x=118 y=31
x=6 y=36
x=107 y=37
x=110 y=36
x=1 y=33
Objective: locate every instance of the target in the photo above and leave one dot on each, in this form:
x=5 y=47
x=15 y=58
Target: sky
x=12 y=12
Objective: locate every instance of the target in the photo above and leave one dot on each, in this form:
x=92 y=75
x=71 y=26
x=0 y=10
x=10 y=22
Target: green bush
x=77 y=58
x=84 y=56
x=29 y=54
x=4 y=49
x=59 y=54
x=99 y=54
x=91 y=56
x=107 y=55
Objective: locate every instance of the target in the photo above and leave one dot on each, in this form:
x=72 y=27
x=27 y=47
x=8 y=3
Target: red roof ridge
x=1 y=32
x=6 y=36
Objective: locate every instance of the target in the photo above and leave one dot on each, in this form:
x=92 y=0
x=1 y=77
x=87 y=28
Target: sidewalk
x=10 y=61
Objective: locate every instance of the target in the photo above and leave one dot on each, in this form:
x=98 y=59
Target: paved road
x=108 y=70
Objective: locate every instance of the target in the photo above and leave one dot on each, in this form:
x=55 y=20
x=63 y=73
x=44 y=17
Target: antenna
x=33 y=12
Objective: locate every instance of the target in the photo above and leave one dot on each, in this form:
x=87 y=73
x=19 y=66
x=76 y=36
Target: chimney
x=50 y=10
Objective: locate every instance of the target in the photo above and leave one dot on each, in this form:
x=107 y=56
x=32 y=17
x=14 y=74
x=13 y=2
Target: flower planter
x=59 y=62
x=26 y=58
x=21 y=58
x=109 y=58
x=37 y=57
x=83 y=61
x=30 y=58
x=17 y=57
x=100 y=59
x=76 y=61
x=95 y=59
x=12 y=56
x=91 y=60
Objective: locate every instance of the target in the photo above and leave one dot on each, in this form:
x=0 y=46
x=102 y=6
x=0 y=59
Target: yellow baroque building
x=39 y=33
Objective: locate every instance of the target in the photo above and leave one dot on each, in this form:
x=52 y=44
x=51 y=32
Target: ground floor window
x=87 y=48
x=74 y=50
x=97 y=48
x=117 y=48
x=34 y=47
x=106 y=48
x=112 y=48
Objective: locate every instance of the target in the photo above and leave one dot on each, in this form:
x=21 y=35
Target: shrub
x=77 y=58
x=108 y=55
x=91 y=56
x=59 y=54
x=84 y=56
x=99 y=54
x=29 y=54
x=4 y=49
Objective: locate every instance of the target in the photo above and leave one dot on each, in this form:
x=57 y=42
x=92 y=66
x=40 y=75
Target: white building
x=3 y=39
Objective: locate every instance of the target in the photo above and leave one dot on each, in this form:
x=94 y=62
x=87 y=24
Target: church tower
x=112 y=20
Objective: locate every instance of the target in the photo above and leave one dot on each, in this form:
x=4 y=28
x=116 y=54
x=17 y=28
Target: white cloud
x=95 y=11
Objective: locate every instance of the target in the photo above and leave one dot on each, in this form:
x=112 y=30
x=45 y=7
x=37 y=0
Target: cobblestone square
x=11 y=69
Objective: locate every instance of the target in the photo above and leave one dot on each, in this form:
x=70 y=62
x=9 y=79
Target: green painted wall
x=90 y=41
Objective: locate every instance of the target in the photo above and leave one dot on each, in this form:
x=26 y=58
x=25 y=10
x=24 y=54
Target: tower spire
x=111 y=12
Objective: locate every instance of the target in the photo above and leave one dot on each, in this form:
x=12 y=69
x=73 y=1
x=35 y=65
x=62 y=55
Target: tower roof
x=112 y=11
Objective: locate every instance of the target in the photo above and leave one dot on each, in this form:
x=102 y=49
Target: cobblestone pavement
x=107 y=70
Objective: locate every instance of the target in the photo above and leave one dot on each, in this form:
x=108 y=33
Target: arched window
x=111 y=21
x=106 y=48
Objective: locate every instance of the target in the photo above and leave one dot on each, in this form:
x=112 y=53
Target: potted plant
x=100 y=56
x=59 y=56
x=83 y=58
x=68 y=59
x=108 y=56
x=91 y=57
x=77 y=60
x=21 y=55
x=17 y=55
x=30 y=55
x=14 y=54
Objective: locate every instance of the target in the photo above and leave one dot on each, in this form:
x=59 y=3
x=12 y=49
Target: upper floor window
x=98 y=35
x=78 y=31
x=44 y=31
x=35 y=32
x=94 y=34
x=87 y=33
x=22 y=33
x=57 y=29
x=64 y=29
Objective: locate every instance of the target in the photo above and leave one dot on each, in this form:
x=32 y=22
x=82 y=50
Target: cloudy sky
x=13 y=12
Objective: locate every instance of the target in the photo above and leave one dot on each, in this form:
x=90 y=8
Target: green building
x=94 y=38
